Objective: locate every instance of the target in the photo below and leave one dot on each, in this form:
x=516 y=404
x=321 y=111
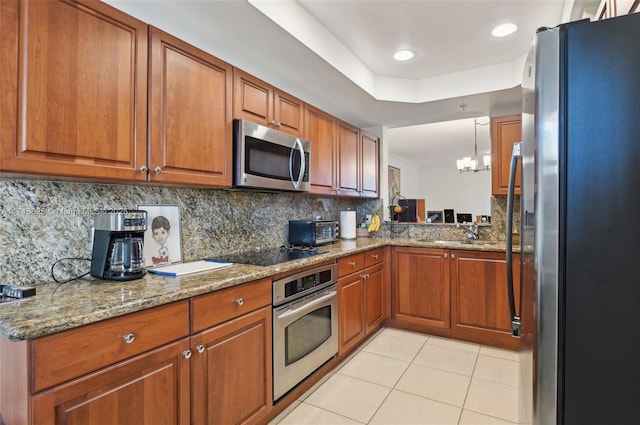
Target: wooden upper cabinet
x=370 y=165
x=190 y=100
x=505 y=131
x=348 y=159
x=320 y=129
x=613 y=8
x=259 y=102
x=74 y=90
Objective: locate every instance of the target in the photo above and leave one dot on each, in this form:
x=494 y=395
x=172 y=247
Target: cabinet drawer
x=374 y=256
x=225 y=304
x=69 y=354
x=350 y=264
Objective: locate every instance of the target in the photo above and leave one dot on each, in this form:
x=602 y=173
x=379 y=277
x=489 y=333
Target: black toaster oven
x=313 y=232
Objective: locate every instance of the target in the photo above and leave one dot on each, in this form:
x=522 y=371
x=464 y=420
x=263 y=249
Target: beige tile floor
x=400 y=377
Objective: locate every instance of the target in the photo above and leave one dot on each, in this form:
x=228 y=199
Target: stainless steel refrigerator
x=579 y=314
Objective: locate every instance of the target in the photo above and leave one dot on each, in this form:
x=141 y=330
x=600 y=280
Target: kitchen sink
x=443 y=241
x=459 y=242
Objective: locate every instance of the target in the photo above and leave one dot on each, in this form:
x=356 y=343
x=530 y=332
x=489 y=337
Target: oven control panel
x=299 y=284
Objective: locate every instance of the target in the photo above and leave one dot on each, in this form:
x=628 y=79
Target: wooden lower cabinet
x=453 y=293
x=479 y=303
x=152 y=388
x=420 y=286
x=232 y=381
x=351 y=326
x=361 y=297
x=374 y=298
x=148 y=367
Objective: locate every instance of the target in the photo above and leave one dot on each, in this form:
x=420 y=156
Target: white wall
x=411 y=182
x=444 y=187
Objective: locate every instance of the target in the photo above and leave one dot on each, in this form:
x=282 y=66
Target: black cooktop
x=271 y=256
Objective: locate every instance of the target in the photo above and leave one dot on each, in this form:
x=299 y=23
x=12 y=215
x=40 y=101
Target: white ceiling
x=336 y=54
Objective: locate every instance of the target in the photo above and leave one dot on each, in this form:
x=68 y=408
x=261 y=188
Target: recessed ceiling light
x=403 y=55
x=504 y=30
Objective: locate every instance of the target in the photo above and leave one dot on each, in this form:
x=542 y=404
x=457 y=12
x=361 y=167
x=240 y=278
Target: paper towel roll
x=348 y=224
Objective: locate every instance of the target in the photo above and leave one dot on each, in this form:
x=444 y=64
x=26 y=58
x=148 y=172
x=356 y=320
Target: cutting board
x=188 y=268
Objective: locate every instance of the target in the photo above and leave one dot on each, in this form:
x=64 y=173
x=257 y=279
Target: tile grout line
x=398 y=380
x=469 y=386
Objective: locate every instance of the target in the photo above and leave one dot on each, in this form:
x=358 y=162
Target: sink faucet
x=472 y=231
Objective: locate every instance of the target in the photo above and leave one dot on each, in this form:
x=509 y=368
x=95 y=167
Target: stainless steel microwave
x=265 y=158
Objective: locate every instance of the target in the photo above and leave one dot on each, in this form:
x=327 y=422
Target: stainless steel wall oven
x=305 y=325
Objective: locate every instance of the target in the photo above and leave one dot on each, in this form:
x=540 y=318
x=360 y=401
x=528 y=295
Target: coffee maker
x=117 y=245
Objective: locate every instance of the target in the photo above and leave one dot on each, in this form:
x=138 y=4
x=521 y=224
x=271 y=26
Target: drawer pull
x=128 y=338
x=187 y=354
x=352 y=263
x=375 y=256
x=200 y=348
x=239 y=301
x=446 y=255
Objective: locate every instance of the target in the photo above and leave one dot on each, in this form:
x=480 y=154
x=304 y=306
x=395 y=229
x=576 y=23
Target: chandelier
x=467 y=163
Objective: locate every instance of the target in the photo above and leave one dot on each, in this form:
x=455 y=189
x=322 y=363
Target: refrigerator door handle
x=515 y=320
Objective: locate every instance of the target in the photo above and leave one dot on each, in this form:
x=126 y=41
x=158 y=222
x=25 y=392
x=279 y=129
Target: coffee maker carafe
x=117 y=245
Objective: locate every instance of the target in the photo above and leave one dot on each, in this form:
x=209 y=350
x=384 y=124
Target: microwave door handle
x=297 y=144
x=515 y=320
x=311 y=303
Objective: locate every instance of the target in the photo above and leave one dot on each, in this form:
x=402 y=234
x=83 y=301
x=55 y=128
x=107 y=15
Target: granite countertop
x=57 y=307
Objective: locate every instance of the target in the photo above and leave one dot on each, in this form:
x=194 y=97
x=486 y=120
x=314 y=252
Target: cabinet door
x=351 y=324
x=370 y=168
x=232 y=379
x=288 y=113
x=190 y=100
x=348 y=159
x=479 y=304
x=420 y=285
x=252 y=98
x=505 y=131
x=373 y=297
x=321 y=130
x=74 y=90
x=152 y=388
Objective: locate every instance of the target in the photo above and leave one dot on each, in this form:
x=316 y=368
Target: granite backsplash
x=45 y=221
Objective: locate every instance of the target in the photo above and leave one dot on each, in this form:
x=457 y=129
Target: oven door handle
x=311 y=303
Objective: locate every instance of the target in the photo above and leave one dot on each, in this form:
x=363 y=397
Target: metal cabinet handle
x=158 y=170
x=446 y=255
x=128 y=338
x=453 y=255
x=278 y=124
x=239 y=301
x=187 y=354
x=352 y=263
x=375 y=256
x=144 y=169
x=200 y=348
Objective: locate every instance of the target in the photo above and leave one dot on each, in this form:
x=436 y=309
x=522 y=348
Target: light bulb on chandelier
x=468 y=163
